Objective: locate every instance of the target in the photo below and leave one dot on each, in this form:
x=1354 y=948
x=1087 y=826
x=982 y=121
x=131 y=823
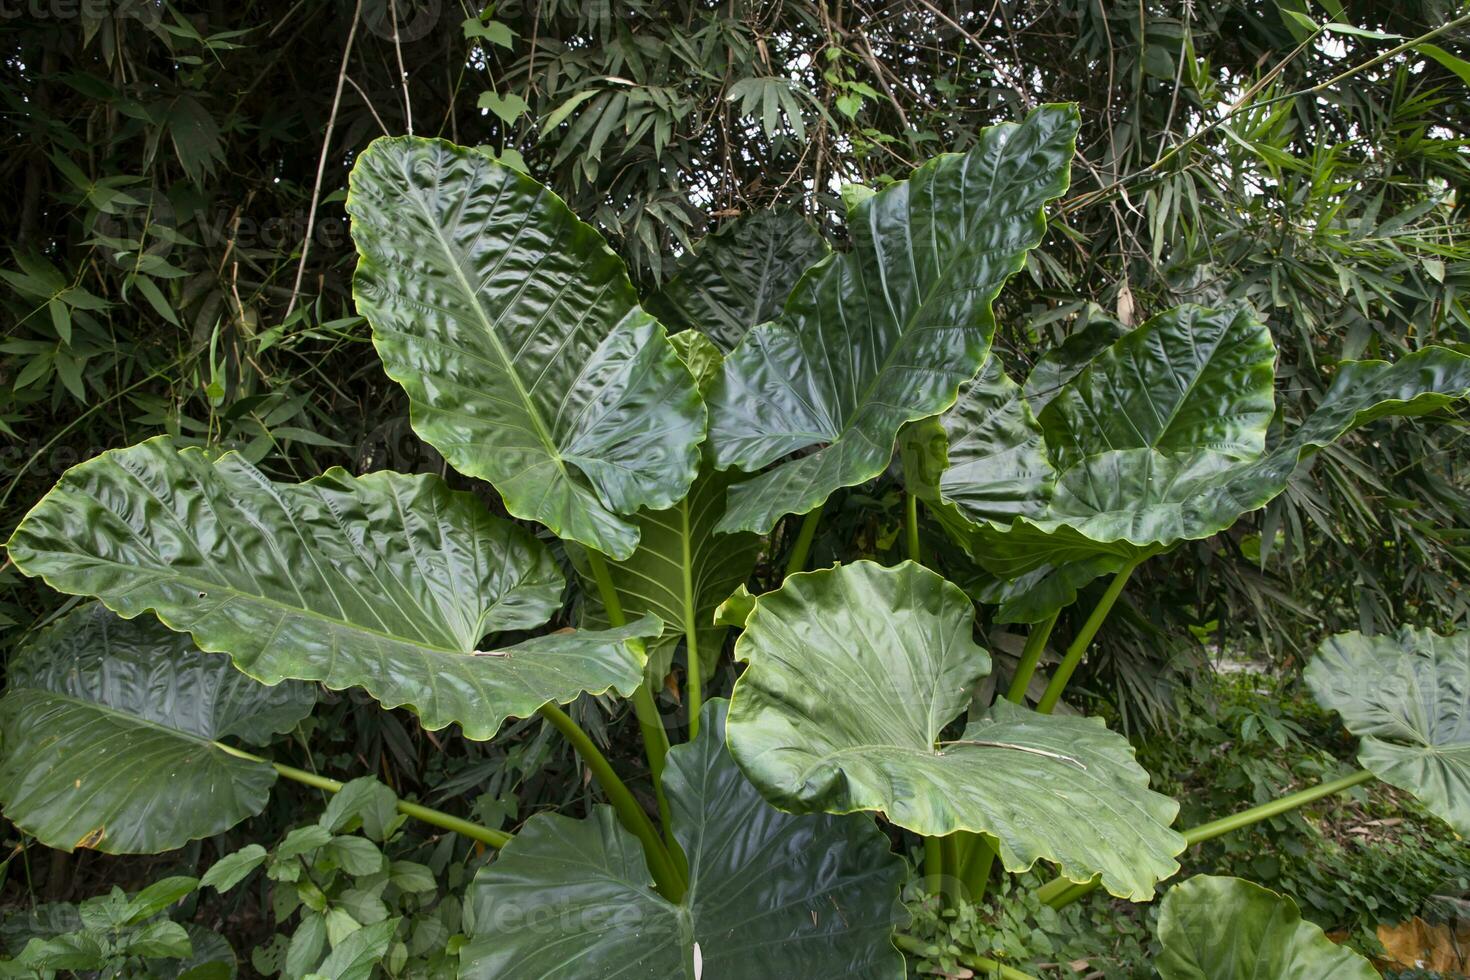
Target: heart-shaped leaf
x=885 y=333
x=1161 y=438
x=683 y=568
x=770 y=894
x=854 y=673
x=508 y=106
x=110 y=729
x=1231 y=929
x=739 y=276
x=1407 y=697
x=519 y=339
x=384 y=581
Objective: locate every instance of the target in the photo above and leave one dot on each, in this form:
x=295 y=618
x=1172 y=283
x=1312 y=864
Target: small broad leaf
x=885 y=333
x=159 y=896
x=739 y=276
x=384 y=581
x=356 y=956
x=357 y=856
x=770 y=894
x=109 y=736
x=307 y=944
x=853 y=674
x=365 y=800
x=160 y=939
x=1407 y=697
x=1231 y=929
x=231 y=869
x=518 y=336
x=490 y=30
x=508 y=106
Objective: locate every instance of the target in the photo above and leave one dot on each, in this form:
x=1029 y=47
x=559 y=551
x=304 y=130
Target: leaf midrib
x=127 y=718
x=907 y=326
x=236 y=593
x=472 y=295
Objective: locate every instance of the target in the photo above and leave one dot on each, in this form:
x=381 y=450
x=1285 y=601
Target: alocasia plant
x=884 y=333
x=662 y=462
x=1229 y=929
x=1408 y=697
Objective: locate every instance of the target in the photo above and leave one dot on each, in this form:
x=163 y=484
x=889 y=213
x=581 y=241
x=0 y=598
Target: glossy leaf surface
x=1054 y=368
x=519 y=339
x=739 y=276
x=770 y=894
x=1159 y=439
x=885 y=333
x=683 y=568
x=854 y=673
x=109 y=729
x=1407 y=697
x=384 y=581
x=1215 y=928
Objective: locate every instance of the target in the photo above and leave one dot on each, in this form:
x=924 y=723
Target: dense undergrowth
x=1241 y=738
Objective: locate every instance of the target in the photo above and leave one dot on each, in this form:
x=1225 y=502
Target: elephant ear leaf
x=854 y=673
x=770 y=894
x=1191 y=380
x=1160 y=438
x=683 y=568
x=111 y=730
x=519 y=339
x=384 y=581
x=886 y=332
x=739 y=276
x=1216 y=928
x=1407 y=697
x=1062 y=363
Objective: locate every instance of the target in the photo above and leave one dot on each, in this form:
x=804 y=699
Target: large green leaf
x=885 y=333
x=384 y=581
x=519 y=339
x=1054 y=368
x=854 y=673
x=1230 y=929
x=683 y=568
x=1192 y=379
x=984 y=459
x=739 y=276
x=1408 y=698
x=1161 y=438
x=110 y=728
x=770 y=894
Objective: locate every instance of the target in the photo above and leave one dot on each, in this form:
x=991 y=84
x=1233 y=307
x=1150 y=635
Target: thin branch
x=321 y=163
x=402 y=75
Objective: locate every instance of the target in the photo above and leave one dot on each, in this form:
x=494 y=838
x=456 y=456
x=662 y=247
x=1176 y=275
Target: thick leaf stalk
x=1083 y=640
